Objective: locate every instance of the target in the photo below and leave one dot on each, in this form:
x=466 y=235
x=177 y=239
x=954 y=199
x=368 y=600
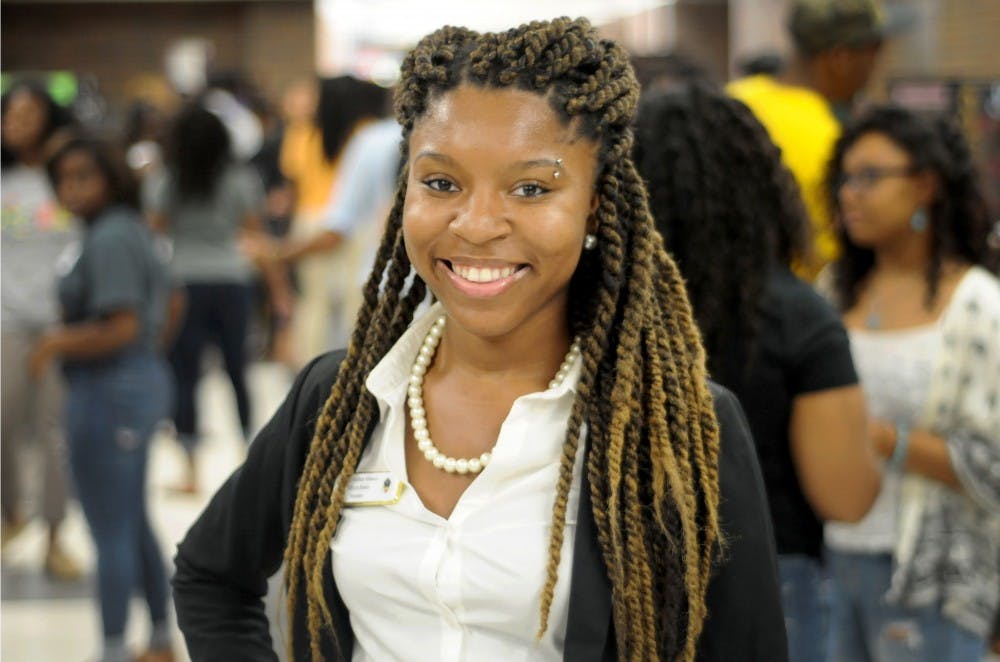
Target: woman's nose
x=481 y=220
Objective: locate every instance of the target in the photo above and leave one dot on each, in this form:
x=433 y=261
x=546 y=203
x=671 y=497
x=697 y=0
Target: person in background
x=836 y=47
x=310 y=158
x=143 y=138
x=203 y=201
x=767 y=63
x=917 y=579
x=587 y=495
x=114 y=302
x=366 y=184
x=657 y=73
x=730 y=214
x=36 y=233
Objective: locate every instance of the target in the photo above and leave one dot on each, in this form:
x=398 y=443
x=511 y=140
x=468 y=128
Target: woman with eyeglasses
x=917 y=578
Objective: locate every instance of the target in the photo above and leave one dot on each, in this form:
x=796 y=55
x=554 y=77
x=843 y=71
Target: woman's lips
x=482 y=280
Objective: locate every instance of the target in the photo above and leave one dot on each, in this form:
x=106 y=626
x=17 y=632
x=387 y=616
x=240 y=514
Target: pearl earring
x=589 y=242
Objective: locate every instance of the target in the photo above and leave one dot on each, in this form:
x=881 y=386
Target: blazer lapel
x=589 y=635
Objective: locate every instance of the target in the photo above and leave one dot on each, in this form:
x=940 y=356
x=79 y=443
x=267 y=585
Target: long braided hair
x=717 y=187
x=652 y=436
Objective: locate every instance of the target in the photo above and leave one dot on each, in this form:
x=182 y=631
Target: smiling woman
x=487 y=224
x=568 y=506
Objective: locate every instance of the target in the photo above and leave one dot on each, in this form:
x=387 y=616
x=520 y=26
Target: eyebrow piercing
x=555 y=174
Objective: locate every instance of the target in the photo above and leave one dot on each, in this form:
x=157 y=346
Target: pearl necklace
x=418 y=415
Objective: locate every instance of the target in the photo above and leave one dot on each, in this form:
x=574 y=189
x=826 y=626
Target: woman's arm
x=833 y=457
x=86 y=340
x=926 y=452
x=176 y=308
x=158 y=222
x=259 y=248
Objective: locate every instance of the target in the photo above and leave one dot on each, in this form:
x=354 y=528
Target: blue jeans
x=112 y=410
x=805 y=604
x=864 y=628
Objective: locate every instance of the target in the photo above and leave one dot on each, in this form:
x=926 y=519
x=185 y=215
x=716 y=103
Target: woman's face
x=879 y=191
x=499 y=198
x=23 y=122
x=80 y=185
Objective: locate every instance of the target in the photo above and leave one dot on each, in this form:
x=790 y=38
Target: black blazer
x=224 y=561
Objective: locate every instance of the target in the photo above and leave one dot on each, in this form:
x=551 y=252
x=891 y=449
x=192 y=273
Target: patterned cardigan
x=948 y=550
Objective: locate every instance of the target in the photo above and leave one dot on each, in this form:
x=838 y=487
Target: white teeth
x=483 y=275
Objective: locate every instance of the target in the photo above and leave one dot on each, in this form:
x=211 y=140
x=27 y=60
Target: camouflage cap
x=819 y=25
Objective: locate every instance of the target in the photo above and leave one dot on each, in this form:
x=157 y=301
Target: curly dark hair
x=959 y=217
x=123 y=188
x=652 y=437
x=56 y=117
x=343 y=102
x=727 y=208
x=198 y=150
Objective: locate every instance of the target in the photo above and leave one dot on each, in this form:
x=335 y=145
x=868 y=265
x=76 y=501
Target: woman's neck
x=527 y=357
x=90 y=219
x=909 y=255
x=31 y=158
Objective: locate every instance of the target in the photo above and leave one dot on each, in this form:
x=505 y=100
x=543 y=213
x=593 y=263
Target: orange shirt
x=303 y=162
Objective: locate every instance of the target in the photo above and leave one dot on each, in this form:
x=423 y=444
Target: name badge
x=378 y=488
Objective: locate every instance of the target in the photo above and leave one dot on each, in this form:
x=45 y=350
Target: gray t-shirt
x=36 y=232
x=119 y=268
x=205 y=232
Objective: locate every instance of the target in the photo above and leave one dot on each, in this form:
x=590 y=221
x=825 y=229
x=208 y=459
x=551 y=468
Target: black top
x=801 y=347
x=237 y=543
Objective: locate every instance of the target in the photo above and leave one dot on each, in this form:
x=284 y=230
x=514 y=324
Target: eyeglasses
x=867 y=178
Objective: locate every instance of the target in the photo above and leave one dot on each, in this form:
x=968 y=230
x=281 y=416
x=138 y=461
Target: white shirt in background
x=894 y=368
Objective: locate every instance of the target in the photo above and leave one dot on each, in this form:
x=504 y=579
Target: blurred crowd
x=841 y=263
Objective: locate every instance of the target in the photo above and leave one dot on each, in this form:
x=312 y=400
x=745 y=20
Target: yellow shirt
x=802 y=124
x=303 y=162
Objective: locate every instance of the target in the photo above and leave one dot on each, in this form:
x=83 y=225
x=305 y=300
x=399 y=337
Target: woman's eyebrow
x=538 y=163
x=435 y=156
x=530 y=163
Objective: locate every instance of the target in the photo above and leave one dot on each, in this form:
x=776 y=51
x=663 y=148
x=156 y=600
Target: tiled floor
x=41 y=620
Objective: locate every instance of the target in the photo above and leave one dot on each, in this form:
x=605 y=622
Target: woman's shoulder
x=241 y=180
x=798 y=309
x=735 y=440
x=118 y=223
x=975 y=301
x=980 y=284
x=790 y=291
x=319 y=374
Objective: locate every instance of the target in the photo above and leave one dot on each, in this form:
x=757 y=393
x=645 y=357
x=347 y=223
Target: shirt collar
x=389 y=379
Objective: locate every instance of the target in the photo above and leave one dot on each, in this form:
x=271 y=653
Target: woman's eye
x=440 y=184
x=530 y=190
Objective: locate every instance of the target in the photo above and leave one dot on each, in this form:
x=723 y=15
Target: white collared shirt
x=421 y=587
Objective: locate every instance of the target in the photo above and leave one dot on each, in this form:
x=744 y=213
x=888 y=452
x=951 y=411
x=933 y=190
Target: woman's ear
x=928 y=185
x=592 y=218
